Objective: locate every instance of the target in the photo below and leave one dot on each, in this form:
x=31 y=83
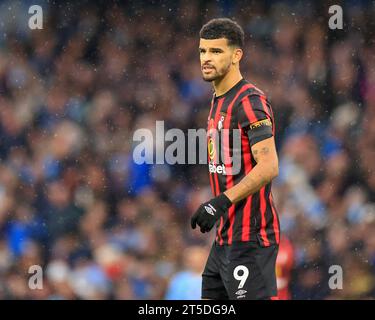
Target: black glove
x=209 y=212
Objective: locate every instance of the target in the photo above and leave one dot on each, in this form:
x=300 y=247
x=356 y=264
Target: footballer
x=241 y=263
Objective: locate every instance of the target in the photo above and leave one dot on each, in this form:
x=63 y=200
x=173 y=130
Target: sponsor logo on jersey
x=217 y=168
x=211 y=148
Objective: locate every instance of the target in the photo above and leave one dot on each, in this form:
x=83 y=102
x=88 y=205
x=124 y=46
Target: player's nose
x=206 y=57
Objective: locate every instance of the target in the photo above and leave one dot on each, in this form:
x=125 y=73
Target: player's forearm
x=258 y=177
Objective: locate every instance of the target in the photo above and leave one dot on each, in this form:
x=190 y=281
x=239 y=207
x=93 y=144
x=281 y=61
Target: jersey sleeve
x=254 y=116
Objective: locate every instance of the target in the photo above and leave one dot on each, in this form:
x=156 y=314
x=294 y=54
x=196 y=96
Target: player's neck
x=225 y=84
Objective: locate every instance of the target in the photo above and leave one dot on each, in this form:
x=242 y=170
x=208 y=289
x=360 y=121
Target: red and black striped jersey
x=237 y=120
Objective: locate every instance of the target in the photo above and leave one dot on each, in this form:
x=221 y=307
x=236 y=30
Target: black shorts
x=243 y=270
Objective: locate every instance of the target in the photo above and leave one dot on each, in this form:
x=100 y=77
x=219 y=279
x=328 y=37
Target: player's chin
x=209 y=78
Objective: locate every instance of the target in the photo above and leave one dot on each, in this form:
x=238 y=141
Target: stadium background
x=101 y=227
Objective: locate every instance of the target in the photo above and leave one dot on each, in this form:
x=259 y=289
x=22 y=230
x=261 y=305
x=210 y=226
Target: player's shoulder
x=250 y=93
x=251 y=90
x=252 y=98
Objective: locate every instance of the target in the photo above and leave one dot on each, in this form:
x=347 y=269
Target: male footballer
x=241 y=263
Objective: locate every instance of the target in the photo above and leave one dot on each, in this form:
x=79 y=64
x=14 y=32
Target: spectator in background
x=186 y=284
x=284 y=266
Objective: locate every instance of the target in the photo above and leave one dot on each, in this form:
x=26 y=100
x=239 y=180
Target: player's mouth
x=207 y=68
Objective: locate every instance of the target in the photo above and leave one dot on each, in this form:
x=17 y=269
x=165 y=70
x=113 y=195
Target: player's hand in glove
x=209 y=212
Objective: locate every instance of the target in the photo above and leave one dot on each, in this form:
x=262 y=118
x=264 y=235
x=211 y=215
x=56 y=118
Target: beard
x=216 y=74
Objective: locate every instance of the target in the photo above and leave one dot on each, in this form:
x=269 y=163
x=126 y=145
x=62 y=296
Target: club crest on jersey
x=220 y=123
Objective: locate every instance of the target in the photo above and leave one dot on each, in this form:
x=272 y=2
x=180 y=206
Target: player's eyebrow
x=211 y=49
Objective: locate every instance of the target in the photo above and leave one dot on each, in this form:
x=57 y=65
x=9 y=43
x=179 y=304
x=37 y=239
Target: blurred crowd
x=73 y=201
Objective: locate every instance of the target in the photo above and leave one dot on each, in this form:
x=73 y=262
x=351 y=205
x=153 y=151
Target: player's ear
x=237 y=55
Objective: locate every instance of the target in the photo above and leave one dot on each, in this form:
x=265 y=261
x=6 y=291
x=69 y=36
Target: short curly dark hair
x=223 y=28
